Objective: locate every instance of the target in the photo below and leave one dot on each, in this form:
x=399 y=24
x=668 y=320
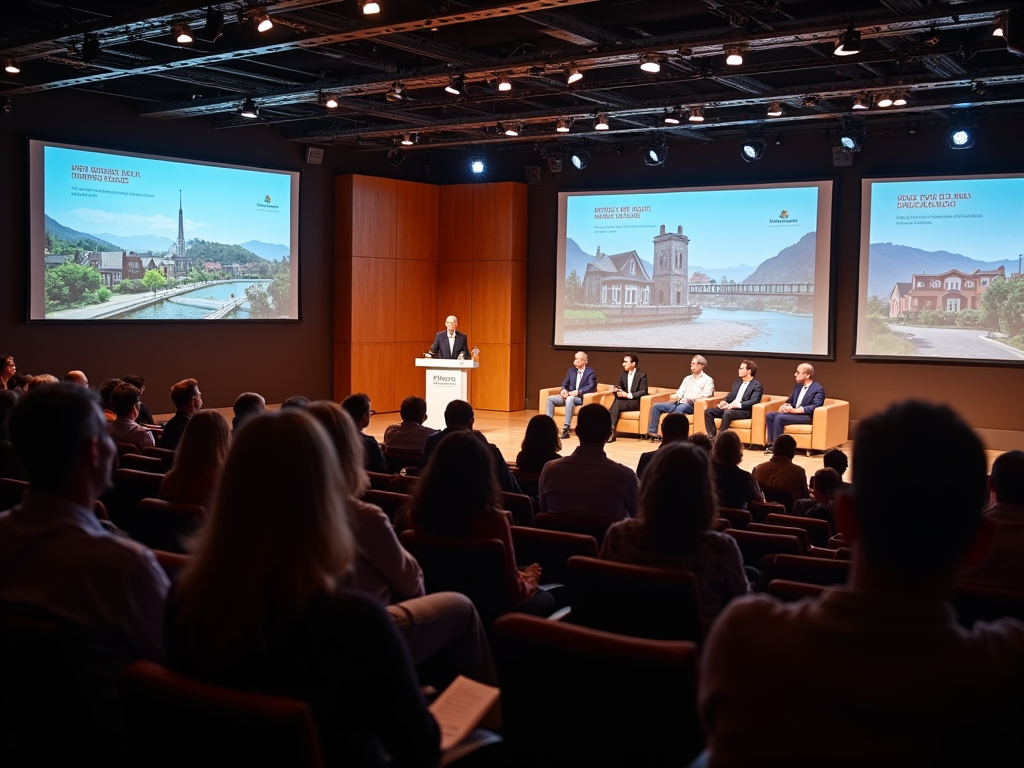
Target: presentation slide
x=743 y=269
x=940 y=269
x=119 y=236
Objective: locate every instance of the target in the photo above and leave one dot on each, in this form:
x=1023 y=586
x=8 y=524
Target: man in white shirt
x=697 y=385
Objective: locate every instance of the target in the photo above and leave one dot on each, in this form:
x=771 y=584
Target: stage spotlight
x=407 y=140
x=851 y=138
x=900 y=99
x=396 y=157
x=214 y=24
x=396 y=92
x=961 y=136
x=672 y=117
x=11 y=66
x=696 y=115
x=328 y=100
x=861 y=102
x=555 y=163
x=562 y=126
x=655 y=154
x=775 y=109
x=752 y=149
x=572 y=74
x=504 y=83
x=733 y=56
x=456 y=85
x=601 y=124
x=369 y=7
x=512 y=129
x=579 y=159
x=90 y=47
x=650 y=62
x=884 y=100
x=249 y=109
x=848 y=44
x=182 y=34
x=999 y=27
x=476 y=164
x=262 y=21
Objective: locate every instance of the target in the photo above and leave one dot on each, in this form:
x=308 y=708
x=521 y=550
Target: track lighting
x=476 y=164
x=752 y=149
x=562 y=126
x=601 y=124
x=456 y=85
x=396 y=92
x=775 y=109
x=848 y=44
x=810 y=101
x=572 y=74
x=650 y=62
x=369 y=7
x=328 y=100
x=262 y=21
x=696 y=115
x=408 y=140
x=249 y=109
x=11 y=66
x=733 y=56
x=90 y=47
x=900 y=99
x=579 y=159
x=999 y=27
x=512 y=129
x=214 y=24
x=851 y=137
x=182 y=34
x=672 y=117
x=861 y=102
x=504 y=83
x=884 y=100
x=655 y=154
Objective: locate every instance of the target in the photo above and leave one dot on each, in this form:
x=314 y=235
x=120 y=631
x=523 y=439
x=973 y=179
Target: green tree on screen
x=154 y=280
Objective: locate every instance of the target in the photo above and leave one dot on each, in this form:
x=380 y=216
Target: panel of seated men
x=592 y=397
x=751 y=431
x=696 y=424
x=635 y=422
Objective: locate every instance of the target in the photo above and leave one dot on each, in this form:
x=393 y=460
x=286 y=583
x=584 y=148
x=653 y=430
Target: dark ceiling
x=941 y=54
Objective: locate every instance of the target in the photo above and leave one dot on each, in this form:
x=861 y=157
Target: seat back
x=573 y=696
x=738 y=518
x=779 y=496
x=551 y=550
x=791 y=591
x=754 y=545
x=399 y=458
x=165 y=525
x=527 y=479
x=810 y=570
x=166 y=455
x=818 y=531
x=656 y=603
x=474 y=567
x=390 y=502
x=759 y=510
x=143 y=463
x=589 y=525
x=176 y=721
x=122 y=500
x=521 y=507
x=799 y=533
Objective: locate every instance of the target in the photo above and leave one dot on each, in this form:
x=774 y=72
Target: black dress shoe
x=565 y=433
x=769 y=449
x=611 y=439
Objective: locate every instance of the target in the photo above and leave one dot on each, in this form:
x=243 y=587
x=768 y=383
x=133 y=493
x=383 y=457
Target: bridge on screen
x=753 y=289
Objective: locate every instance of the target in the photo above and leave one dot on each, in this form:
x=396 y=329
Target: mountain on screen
x=793 y=264
x=138 y=243
x=576 y=258
x=56 y=231
x=272 y=251
x=891 y=263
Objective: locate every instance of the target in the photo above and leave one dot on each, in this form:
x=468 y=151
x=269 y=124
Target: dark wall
x=868 y=386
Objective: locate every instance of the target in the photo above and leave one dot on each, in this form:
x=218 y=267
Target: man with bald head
x=76 y=378
x=807 y=395
x=450 y=343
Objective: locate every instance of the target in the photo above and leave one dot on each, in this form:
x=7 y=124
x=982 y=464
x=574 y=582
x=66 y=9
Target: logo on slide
x=267 y=200
x=783 y=215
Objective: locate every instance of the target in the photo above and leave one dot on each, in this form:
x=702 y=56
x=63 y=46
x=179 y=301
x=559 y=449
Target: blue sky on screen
x=224 y=205
x=725 y=227
x=988 y=227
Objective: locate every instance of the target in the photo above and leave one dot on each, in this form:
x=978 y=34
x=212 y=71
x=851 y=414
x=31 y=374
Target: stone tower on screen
x=671 y=261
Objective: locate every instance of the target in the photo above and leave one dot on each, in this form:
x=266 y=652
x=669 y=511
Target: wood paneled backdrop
x=406 y=256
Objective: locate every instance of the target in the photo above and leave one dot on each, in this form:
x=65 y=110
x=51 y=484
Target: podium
x=447 y=380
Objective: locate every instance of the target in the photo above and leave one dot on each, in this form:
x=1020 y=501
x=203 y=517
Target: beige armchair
x=690 y=416
x=591 y=397
x=829 y=427
x=750 y=431
x=635 y=422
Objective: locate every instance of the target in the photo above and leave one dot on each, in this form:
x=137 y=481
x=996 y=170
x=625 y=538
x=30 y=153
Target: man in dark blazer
x=580 y=380
x=807 y=395
x=746 y=392
x=631 y=387
x=450 y=343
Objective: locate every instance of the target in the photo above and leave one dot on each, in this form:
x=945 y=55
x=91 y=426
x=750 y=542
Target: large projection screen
x=940 y=269
x=731 y=269
x=121 y=236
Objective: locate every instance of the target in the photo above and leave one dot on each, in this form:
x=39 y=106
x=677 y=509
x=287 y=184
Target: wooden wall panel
x=516 y=378
x=373 y=372
x=492 y=311
x=455 y=296
x=416 y=221
x=409 y=380
x=416 y=300
x=373 y=300
x=456 y=218
x=342 y=371
x=517 y=300
x=374 y=214
x=343 y=204
x=490 y=389
x=492 y=220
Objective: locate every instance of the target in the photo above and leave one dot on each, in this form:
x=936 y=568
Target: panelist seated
x=694 y=387
x=746 y=392
x=807 y=395
x=579 y=380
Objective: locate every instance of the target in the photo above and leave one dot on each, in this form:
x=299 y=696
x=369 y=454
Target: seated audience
x=54 y=554
x=674 y=428
x=77 y=378
x=459 y=417
x=188 y=401
x=145 y=415
x=780 y=471
x=1004 y=566
x=835 y=459
x=540 y=445
x=736 y=487
x=472 y=508
x=18 y=382
x=105 y=391
x=7 y=369
x=42 y=380
x=673 y=529
x=358 y=408
x=247 y=404
x=9 y=464
x=198 y=460
x=825 y=485
x=701 y=440
x=410 y=434
x=258 y=607
x=296 y=401
x=442 y=625
x=587 y=482
x=124 y=402
x=912 y=687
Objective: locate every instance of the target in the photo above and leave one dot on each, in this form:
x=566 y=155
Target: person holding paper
x=451 y=342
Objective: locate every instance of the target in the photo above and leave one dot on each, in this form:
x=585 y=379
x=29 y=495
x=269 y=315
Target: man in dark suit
x=631 y=387
x=746 y=392
x=807 y=395
x=450 y=343
x=579 y=380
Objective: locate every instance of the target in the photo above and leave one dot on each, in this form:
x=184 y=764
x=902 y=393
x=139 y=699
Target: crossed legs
x=570 y=403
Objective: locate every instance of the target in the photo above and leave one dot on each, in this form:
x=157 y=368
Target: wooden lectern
x=447 y=380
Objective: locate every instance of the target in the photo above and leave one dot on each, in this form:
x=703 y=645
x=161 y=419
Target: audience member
x=459 y=417
x=587 y=482
x=105 y=391
x=7 y=370
x=54 y=554
x=124 y=402
x=442 y=625
x=258 y=607
x=674 y=429
x=77 y=378
x=1004 y=566
x=700 y=440
x=9 y=464
x=540 y=445
x=410 y=434
x=673 y=530
x=198 y=460
x=358 y=407
x=247 y=404
x=472 y=508
x=736 y=487
x=188 y=401
x=145 y=415
x=914 y=687
x=780 y=471
x=18 y=382
x=296 y=401
x=825 y=485
x=42 y=380
x=835 y=459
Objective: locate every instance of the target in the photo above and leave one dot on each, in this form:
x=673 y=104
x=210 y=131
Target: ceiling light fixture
x=961 y=131
x=562 y=126
x=752 y=149
x=572 y=74
x=810 y=101
x=512 y=129
x=775 y=109
x=476 y=164
x=456 y=85
x=369 y=7
x=331 y=102
x=504 y=83
x=733 y=56
x=999 y=27
x=848 y=44
x=672 y=117
x=182 y=34
x=696 y=115
x=262 y=21
x=579 y=159
x=249 y=109
x=884 y=100
x=214 y=24
x=655 y=153
x=900 y=99
x=407 y=140
x=396 y=92
x=601 y=124
x=861 y=102
x=11 y=66
x=851 y=137
x=650 y=62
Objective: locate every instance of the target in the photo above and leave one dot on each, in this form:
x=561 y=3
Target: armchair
x=591 y=397
x=750 y=431
x=635 y=422
x=829 y=427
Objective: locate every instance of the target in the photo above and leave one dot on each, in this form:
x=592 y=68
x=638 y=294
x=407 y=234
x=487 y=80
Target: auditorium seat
x=166 y=455
x=759 y=510
x=573 y=696
x=143 y=463
x=811 y=570
x=400 y=458
x=551 y=550
x=974 y=602
x=635 y=422
x=819 y=531
x=591 y=397
x=829 y=427
x=520 y=506
x=391 y=503
x=755 y=545
x=738 y=518
x=791 y=591
x=589 y=525
x=122 y=500
x=783 y=530
x=778 y=495
x=165 y=525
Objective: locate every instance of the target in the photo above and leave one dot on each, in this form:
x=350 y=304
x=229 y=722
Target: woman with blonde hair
x=258 y=607
x=198 y=460
x=676 y=510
